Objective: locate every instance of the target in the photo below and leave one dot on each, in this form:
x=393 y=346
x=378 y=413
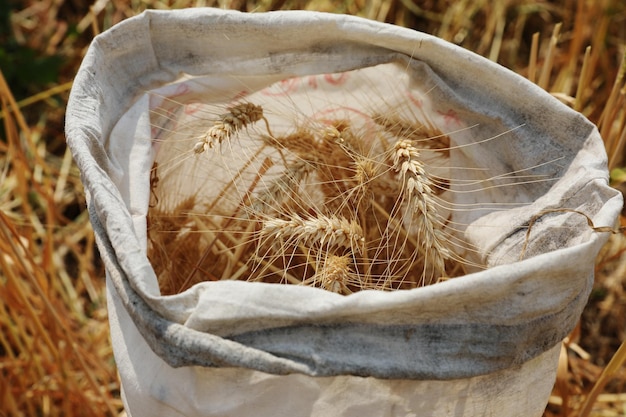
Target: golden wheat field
x=55 y=353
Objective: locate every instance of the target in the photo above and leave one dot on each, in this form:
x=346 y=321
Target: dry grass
x=54 y=348
x=55 y=356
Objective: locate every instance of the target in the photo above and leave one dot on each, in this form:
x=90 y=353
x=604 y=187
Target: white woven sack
x=485 y=344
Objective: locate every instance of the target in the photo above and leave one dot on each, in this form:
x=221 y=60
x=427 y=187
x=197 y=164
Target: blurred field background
x=55 y=354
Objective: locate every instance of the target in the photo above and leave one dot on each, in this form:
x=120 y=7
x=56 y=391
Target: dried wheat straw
x=332 y=213
x=297 y=239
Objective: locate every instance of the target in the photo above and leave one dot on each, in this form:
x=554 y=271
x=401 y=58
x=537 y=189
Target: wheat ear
x=327 y=231
x=418 y=188
x=238 y=117
x=335 y=274
x=282 y=188
x=427 y=136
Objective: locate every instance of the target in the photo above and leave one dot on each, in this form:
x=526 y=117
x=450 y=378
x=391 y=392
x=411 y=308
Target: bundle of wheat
x=312 y=186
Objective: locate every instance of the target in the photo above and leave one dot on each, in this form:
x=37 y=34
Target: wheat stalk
x=237 y=118
x=418 y=189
